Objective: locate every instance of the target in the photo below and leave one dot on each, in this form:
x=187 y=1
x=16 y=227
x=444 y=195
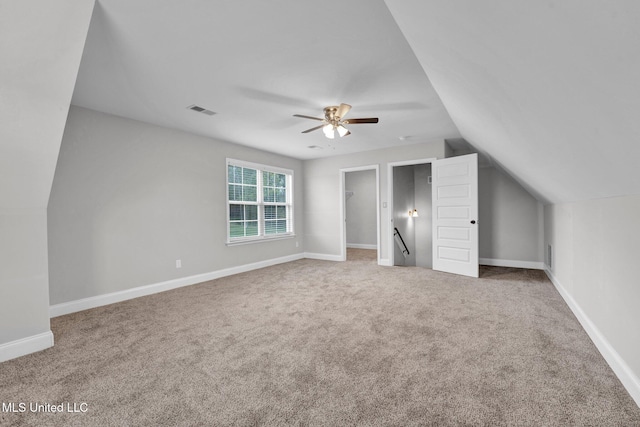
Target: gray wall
x=24 y=300
x=595 y=260
x=403 y=201
x=41 y=45
x=129 y=199
x=361 y=218
x=423 y=224
x=322 y=197
x=510 y=222
x=510 y=219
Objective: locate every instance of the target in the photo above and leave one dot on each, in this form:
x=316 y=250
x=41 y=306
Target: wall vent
x=202 y=110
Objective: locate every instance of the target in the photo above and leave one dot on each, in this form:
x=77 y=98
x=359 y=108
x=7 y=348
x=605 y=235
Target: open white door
x=455 y=215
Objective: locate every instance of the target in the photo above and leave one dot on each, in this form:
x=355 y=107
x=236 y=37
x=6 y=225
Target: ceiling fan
x=334 y=121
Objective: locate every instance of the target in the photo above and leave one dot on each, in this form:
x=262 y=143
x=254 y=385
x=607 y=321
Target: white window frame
x=261 y=237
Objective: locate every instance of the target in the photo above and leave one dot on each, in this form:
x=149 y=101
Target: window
x=260 y=201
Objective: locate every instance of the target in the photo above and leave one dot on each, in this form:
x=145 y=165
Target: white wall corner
x=627 y=377
x=114 y=297
x=25 y=346
x=536 y=265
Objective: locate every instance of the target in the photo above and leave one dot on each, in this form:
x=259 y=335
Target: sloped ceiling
x=550 y=89
x=40 y=44
x=256 y=63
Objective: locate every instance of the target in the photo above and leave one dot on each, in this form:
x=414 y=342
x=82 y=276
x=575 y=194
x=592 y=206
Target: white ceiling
x=256 y=63
x=549 y=88
x=40 y=47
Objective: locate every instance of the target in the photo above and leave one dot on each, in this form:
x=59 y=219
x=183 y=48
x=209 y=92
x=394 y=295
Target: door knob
x=473 y=221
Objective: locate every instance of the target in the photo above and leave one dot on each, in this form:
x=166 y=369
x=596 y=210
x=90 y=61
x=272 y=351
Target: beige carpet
x=323 y=343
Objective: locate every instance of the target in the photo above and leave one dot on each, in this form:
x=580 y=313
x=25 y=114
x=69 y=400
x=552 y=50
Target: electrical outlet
x=178 y=263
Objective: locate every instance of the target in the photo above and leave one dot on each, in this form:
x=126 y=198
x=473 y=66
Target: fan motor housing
x=330 y=114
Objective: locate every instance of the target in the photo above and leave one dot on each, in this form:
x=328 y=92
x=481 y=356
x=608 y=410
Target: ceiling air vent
x=199 y=109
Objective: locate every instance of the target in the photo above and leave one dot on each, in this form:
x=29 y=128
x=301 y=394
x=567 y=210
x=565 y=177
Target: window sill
x=250 y=240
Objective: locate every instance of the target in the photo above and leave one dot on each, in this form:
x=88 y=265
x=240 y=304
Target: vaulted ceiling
x=255 y=64
x=548 y=89
x=40 y=46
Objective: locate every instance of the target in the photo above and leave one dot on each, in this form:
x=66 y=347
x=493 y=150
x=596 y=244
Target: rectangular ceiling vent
x=199 y=109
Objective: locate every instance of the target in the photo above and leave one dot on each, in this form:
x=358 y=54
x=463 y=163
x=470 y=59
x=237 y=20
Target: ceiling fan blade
x=343 y=109
x=312 y=129
x=307 y=117
x=359 y=121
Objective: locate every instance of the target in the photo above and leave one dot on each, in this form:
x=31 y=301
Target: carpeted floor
x=324 y=343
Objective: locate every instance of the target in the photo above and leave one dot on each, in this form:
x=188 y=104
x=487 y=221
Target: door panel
x=455 y=215
x=453 y=191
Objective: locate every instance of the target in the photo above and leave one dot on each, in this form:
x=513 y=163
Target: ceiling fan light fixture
x=334 y=121
x=342 y=131
x=328 y=131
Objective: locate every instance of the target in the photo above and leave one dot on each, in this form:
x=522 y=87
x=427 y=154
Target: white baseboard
x=323 y=257
x=113 y=297
x=25 y=346
x=511 y=263
x=385 y=262
x=626 y=376
x=361 y=246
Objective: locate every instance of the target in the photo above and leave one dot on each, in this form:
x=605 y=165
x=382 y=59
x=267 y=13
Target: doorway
x=412 y=215
x=360 y=211
x=454 y=213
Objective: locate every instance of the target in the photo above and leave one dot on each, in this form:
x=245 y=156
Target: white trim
x=250 y=240
x=323 y=257
x=260 y=203
x=25 y=346
x=343 y=228
x=624 y=373
x=511 y=263
x=385 y=262
x=258 y=166
x=113 y=297
x=361 y=246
